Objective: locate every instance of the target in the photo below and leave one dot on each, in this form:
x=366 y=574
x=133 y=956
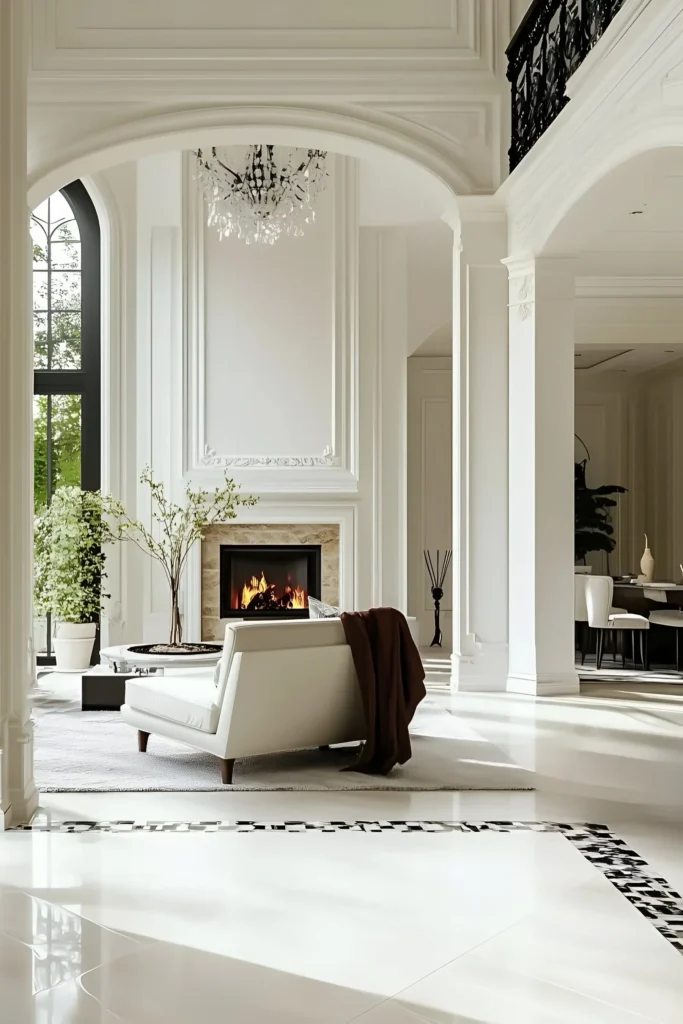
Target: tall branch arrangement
x=175 y=528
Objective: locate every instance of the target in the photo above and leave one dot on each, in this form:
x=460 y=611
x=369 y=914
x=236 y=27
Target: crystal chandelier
x=270 y=195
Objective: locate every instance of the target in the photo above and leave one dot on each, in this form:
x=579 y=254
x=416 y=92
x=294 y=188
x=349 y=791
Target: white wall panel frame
x=335 y=469
x=73 y=34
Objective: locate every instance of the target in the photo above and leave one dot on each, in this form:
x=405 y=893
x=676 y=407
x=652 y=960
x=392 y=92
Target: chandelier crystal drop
x=270 y=195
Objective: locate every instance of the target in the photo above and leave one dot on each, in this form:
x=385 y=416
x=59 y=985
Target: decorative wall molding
x=72 y=34
x=96 y=63
x=468 y=128
x=629 y=287
x=212 y=459
x=338 y=465
x=525 y=297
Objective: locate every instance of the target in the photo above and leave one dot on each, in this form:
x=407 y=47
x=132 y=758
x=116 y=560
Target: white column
x=392 y=411
x=159 y=356
x=382 y=542
x=18 y=796
x=541 y=500
x=480 y=455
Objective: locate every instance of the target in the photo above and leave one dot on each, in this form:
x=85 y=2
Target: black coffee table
x=103 y=691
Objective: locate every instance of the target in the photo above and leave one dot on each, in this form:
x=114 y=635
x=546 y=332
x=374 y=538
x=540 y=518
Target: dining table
x=643 y=598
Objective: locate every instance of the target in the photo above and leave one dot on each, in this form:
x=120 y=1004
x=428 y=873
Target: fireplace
x=268 y=581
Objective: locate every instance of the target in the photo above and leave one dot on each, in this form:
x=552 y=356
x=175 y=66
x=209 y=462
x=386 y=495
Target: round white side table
x=122 y=659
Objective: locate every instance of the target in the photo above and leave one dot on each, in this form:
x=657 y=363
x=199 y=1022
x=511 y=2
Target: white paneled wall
x=430 y=517
x=286 y=367
x=602 y=407
x=271 y=308
x=633 y=427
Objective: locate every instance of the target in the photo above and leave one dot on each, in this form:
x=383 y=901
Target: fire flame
x=260 y=586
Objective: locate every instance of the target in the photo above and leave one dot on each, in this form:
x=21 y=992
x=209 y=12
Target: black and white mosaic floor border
x=650 y=894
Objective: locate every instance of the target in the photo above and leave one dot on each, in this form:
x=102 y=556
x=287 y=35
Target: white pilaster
x=479 y=660
x=541 y=498
x=381 y=554
x=392 y=412
x=18 y=796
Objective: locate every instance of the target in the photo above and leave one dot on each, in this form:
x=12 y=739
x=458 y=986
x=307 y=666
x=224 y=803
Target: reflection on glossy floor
x=383 y=928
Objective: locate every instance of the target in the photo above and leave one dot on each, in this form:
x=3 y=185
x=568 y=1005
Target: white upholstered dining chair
x=581 y=613
x=608 y=622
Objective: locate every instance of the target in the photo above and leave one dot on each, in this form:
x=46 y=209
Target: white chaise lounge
x=278 y=686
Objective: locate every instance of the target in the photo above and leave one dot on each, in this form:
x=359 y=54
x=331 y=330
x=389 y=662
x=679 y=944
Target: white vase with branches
x=175 y=528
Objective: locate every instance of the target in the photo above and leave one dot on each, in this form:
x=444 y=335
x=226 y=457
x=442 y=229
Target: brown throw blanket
x=391 y=679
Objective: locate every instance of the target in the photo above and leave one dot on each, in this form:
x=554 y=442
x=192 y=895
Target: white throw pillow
x=320 y=610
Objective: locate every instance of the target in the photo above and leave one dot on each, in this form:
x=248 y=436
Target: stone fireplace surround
x=327 y=535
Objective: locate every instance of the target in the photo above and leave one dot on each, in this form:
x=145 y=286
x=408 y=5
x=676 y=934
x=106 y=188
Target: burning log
x=260 y=596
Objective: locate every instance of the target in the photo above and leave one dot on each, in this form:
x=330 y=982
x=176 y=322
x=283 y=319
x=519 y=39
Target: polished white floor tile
x=385 y=929
x=280 y=893
x=172 y=984
x=42 y=986
x=587 y=957
x=333 y=927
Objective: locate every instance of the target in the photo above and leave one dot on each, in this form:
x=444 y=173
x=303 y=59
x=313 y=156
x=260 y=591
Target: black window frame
x=86 y=381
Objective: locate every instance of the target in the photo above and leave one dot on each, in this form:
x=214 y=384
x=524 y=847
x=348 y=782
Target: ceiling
x=593 y=359
x=630 y=223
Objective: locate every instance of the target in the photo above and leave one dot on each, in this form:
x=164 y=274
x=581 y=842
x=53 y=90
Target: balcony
x=550 y=44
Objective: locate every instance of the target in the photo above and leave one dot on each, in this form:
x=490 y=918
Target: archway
x=340 y=133
x=344 y=133
x=608 y=255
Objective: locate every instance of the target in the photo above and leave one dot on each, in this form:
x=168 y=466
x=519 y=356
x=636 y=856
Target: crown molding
x=629 y=287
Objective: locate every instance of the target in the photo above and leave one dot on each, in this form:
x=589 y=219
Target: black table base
x=100 y=692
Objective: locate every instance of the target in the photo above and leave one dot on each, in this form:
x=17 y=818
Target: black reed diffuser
x=437 y=578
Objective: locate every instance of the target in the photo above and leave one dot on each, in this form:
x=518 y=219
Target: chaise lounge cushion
x=188 y=699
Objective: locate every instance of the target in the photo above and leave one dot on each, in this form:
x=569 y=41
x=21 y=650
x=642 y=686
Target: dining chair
x=581 y=613
x=608 y=622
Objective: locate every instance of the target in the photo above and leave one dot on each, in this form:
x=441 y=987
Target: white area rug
x=96 y=752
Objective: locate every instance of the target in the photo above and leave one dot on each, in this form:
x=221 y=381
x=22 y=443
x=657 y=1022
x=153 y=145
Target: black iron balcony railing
x=547 y=48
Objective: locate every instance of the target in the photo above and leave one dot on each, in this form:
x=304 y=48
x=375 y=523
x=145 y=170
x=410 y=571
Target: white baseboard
x=534 y=686
x=483 y=672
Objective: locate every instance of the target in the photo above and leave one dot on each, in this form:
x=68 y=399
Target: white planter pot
x=73 y=655
x=76 y=630
x=74 y=642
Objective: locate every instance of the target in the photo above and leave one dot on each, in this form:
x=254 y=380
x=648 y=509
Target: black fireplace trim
x=313 y=573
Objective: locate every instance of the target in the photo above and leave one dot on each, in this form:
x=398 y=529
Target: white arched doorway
x=339 y=132
x=597 y=234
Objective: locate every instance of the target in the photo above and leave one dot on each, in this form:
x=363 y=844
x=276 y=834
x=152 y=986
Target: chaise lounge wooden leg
x=142 y=741
x=226 y=769
x=325 y=746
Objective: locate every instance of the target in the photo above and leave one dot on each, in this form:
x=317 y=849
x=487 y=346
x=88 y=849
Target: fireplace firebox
x=268 y=581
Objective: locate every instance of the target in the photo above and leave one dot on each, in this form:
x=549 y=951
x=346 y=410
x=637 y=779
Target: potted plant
x=174 y=530
x=69 y=571
x=593 y=530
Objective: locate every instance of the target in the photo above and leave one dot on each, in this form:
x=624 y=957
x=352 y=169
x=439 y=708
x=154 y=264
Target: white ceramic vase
x=74 y=642
x=647 y=564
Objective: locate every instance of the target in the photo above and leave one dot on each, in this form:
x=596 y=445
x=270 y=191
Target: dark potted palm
x=593 y=530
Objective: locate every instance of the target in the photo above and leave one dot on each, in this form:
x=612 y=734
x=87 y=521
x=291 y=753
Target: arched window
x=66 y=350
